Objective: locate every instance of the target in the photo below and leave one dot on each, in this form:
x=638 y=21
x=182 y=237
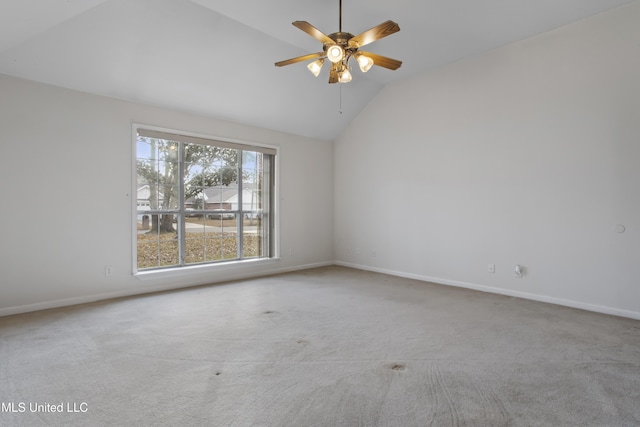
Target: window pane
x=195 y=229
x=214 y=243
x=157 y=247
x=221 y=237
x=167 y=151
x=252 y=235
x=211 y=239
x=144 y=148
x=168 y=197
x=230 y=246
x=213 y=248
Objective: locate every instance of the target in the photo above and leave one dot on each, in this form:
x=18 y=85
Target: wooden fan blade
x=313 y=32
x=383 y=61
x=333 y=74
x=376 y=33
x=299 y=59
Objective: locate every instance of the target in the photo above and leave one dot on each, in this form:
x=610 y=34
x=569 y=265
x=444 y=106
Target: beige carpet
x=323 y=347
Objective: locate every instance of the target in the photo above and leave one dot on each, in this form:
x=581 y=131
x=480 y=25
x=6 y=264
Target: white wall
x=529 y=154
x=65 y=162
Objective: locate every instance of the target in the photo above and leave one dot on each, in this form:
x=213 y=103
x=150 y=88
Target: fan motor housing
x=341 y=38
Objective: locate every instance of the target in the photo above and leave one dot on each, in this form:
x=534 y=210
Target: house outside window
x=201 y=201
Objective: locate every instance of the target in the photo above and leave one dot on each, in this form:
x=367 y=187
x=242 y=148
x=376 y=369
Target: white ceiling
x=215 y=57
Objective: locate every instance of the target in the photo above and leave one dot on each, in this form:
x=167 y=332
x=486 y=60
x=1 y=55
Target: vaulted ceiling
x=216 y=57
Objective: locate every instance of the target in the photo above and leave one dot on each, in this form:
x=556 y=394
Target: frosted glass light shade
x=345 y=76
x=365 y=63
x=335 y=53
x=316 y=66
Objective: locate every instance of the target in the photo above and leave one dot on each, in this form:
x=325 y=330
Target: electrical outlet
x=108 y=270
x=492 y=268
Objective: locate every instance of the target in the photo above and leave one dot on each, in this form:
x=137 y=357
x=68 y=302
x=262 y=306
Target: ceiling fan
x=340 y=47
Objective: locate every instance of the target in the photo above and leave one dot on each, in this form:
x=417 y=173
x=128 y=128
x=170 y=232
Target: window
x=201 y=201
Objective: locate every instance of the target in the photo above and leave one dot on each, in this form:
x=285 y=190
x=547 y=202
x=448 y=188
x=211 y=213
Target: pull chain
x=340 y=110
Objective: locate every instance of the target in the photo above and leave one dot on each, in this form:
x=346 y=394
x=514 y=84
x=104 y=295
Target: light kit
x=341 y=46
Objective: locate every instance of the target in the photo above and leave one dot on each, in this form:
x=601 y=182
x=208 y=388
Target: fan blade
x=333 y=74
x=313 y=32
x=299 y=59
x=383 y=61
x=376 y=33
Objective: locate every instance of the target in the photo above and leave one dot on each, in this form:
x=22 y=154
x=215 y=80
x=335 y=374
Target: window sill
x=202 y=269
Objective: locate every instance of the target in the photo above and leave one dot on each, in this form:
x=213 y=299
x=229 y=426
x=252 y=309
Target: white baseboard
x=65 y=302
x=7 y=311
x=535 y=297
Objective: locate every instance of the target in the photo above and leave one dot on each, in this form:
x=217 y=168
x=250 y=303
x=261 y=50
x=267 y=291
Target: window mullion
x=267 y=183
x=182 y=216
x=240 y=214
